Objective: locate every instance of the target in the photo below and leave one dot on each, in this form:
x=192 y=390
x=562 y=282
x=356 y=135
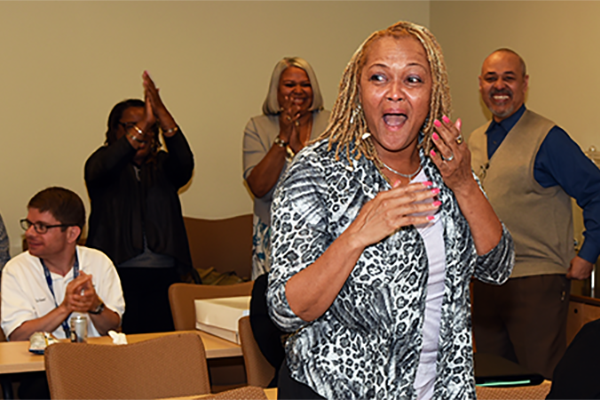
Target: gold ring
x=297 y=123
x=459 y=139
x=289 y=118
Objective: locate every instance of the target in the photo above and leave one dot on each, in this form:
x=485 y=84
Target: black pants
x=289 y=388
x=34 y=385
x=146 y=292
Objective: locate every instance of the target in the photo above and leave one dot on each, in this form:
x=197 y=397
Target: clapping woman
x=136 y=214
x=377 y=229
x=292 y=115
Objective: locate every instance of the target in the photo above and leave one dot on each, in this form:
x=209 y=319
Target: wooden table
x=15 y=356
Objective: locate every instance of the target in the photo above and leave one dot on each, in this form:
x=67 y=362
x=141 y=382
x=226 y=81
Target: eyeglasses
x=40 y=227
x=127 y=125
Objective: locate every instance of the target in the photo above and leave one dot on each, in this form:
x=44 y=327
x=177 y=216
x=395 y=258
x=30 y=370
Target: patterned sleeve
x=299 y=233
x=496 y=266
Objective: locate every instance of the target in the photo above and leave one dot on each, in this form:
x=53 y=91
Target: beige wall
x=65 y=64
x=557 y=39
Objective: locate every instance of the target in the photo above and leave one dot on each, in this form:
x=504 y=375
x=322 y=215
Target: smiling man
x=45 y=286
x=56 y=279
x=530 y=169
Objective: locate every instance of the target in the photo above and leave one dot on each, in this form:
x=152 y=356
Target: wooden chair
x=169 y=366
x=259 y=372
x=225 y=244
x=225 y=373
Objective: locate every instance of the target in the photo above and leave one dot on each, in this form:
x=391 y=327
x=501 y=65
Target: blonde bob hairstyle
x=271 y=105
x=347 y=124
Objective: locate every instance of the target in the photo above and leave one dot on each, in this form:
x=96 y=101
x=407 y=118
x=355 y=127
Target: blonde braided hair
x=347 y=123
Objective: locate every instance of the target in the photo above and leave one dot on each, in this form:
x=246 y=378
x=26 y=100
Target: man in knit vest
x=530 y=169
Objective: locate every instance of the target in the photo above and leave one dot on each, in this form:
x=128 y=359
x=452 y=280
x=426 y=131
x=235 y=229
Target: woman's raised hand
x=452 y=155
x=393 y=209
x=156 y=107
x=289 y=121
x=453 y=159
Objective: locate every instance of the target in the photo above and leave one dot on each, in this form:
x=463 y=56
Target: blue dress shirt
x=560 y=161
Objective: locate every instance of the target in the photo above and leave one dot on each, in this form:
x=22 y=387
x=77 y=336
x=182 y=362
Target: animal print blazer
x=367 y=344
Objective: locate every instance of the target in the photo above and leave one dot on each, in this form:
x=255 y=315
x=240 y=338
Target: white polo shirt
x=26 y=295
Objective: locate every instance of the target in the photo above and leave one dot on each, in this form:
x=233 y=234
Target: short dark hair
x=64 y=205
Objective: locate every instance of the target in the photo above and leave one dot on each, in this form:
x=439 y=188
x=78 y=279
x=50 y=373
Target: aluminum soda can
x=79 y=331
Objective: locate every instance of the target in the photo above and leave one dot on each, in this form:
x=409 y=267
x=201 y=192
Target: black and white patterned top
x=367 y=344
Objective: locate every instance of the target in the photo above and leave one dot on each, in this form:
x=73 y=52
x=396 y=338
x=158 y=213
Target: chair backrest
x=259 y=372
x=182 y=296
x=225 y=244
x=169 y=366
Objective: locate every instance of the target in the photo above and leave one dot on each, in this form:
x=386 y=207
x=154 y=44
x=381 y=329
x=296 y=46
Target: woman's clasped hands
x=291 y=118
x=155 y=108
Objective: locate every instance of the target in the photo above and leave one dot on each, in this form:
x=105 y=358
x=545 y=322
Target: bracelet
x=133 y=137
x=290 y=153
x=172 y=130
x=280 y=142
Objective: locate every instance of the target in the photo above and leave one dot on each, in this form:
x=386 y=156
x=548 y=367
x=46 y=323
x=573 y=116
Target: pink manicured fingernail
x=435 y=136
x=437 y=203
x=430 y=217
x=427 y=183
x=437 y=123
x=445 y=119
x=432 y=153
x=435 y=190
x=458 y=124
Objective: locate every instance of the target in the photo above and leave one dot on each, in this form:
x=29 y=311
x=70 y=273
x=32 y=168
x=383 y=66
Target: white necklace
x=409 y=176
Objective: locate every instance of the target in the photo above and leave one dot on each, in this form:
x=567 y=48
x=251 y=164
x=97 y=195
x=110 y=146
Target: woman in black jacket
x=135 y=214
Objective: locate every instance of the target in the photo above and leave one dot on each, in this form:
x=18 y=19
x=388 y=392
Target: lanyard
x=64 y=324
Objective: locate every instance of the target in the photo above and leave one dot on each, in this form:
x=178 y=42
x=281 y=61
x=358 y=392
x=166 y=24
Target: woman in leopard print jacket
x=378 y=228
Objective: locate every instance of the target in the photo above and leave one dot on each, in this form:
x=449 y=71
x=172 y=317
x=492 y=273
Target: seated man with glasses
x=55 y=279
